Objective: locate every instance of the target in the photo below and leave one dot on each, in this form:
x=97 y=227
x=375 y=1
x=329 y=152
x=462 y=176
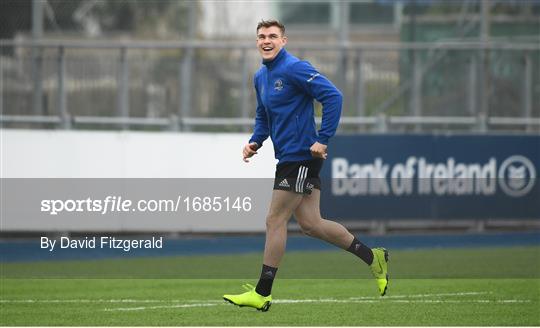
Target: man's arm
x=260 y=132
x=320 y=88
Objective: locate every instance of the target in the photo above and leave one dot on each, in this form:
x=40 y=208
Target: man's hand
x=318 y=150
x=249 y=150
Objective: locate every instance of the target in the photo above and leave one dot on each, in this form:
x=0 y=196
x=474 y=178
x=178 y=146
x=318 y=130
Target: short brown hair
x=269 y=23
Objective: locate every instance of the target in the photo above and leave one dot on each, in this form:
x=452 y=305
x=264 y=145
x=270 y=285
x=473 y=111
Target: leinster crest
x=278 y=85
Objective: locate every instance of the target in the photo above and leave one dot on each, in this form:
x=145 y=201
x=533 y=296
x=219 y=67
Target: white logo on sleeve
x=314 y=75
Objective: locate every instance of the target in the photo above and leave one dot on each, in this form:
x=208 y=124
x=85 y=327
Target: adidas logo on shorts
x=284 y=183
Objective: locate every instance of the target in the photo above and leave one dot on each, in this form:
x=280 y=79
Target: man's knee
x=275 y=221
x=310 y=227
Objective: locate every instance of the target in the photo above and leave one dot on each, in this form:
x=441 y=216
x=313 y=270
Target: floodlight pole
x=343 y=35
x=62 y=100
x=37 y=60
x=484 y=66
x=123 y=87
x=186 y=67
x=472 y=87
x=527 y=89
x=360 y=87
x=244 y=105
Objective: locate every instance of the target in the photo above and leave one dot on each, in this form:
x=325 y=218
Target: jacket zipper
x=267 y=107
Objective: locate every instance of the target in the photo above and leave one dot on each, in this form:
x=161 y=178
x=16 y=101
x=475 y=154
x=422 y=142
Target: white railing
x=184 y=117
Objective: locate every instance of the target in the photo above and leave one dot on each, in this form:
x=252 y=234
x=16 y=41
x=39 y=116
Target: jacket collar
x=279 y=58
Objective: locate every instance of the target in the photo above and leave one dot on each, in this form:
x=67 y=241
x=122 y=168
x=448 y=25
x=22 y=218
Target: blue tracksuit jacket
x=286 y=88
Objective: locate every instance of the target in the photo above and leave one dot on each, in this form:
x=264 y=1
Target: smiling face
x=270 y=41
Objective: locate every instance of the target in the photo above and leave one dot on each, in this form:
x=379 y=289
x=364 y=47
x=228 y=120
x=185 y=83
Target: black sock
x=264 y=286
x=361 y=250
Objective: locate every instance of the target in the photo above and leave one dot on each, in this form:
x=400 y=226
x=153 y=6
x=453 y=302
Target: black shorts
x=299 y=177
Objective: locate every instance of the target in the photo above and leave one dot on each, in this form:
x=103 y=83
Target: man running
x=286 y=88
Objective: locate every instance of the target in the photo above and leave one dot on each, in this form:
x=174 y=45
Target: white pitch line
x=380 y=300
x=140 y=308
x=102 y=301
x=285 y=301
x=216 y=301
x=422 y=295
x=408 y=299
x=164 y=307
x=460 y=301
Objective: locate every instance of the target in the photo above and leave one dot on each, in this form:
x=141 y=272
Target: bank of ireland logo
x=278 y=85
x=517 y=176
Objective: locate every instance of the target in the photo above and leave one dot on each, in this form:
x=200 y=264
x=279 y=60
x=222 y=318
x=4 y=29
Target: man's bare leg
x=282 y=207
x=312 y=224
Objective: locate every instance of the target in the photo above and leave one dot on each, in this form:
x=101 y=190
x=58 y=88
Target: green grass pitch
x=438 y=287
